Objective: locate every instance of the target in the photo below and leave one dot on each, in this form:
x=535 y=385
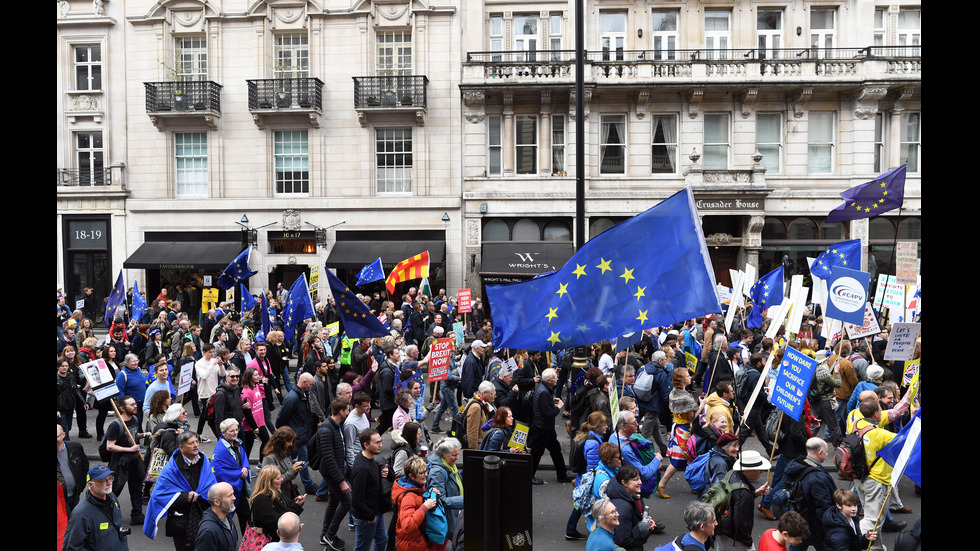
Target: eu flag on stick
x=139 y=303
x=298 y=307
x=867 y=200
x=116 y=297
x=359 y=322
x=236 y=272
x=266 y=317
x=248 y=301
x=904 y=452
x=371 y=272
x=766 y=292
x=615 y=284
x=846 y=254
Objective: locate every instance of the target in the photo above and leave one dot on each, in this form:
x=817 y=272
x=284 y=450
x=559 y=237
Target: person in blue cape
x=230 y=464
x=180 y=493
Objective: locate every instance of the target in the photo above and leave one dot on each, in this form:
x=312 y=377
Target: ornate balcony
x=407 y=93
x=284 y=97
x=183 y=100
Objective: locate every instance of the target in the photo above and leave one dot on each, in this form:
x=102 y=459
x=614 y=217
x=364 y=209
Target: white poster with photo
x=901 y=341
x=186 y=376
x=99 y=379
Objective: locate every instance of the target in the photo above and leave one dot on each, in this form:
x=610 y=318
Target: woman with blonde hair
x=268 y=502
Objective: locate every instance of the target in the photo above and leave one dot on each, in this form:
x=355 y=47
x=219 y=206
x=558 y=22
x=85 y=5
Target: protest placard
x=439 y=354
x=793 y=377
x=519 y=438
x=465 y=306
x=911 y=368
x=906 y=262
x=186 y=376
x=848 y=294
x=901 y=341
x=99 y=378
x=867 y=328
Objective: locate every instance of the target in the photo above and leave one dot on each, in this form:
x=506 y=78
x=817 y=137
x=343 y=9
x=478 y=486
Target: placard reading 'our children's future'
x=793 y=378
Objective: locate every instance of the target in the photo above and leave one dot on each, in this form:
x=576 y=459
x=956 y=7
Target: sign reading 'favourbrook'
x=793 y=379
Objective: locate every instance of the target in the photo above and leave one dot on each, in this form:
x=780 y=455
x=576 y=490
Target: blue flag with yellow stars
x=298 y=306
x=615 y=284
x=846 y=254
x=139 y=303
x=766 y=292
x=116 y=297
x=371 y=272
x=358 y=321
x=884 y=193
x=267 y=317
x=236 y=272
x=248 y=301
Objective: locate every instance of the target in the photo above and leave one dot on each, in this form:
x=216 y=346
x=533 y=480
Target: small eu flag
x=846 y=254
x=139 y=303
x=371 y=272
x=766 y=292
x=116 y=297
x=236 y=272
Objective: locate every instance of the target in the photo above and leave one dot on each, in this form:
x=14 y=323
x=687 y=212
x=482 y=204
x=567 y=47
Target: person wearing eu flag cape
x=180 y=493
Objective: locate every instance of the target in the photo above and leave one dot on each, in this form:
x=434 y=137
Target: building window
x=910 y=143
x=496 y=36
x=612 y=144
x=879 y=144
x=191 y=58
x=554 y=36
x=716 y=140
x=527 y=230
x=292 y=54
x=292 y=159
x=820 y=143
x=910 y=31
x=526 y=35
x=717 y=33
x=769 y=30
x=394 y=53
x=88 y=67
x=823 y=30
x=558 y=144
x=664 y=144
x=665 y=35
x=612 y=35
x=526 y=144
x=879 y=30
x=496 y=230
x=393 y=149
x=89 y=159
x=599 y=225
x=557 y=231
x=191 y=152
x=768 y=140
x=494 y=146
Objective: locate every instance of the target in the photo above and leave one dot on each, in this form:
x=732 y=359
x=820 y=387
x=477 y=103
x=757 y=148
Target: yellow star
x=604 y=265
x=844 y=263
x=627 y=275
x=842 y=255
x=834 y=251
x=579 y=271
x=884 y=193
x=866 y=209
x=562 y=289
x=883 y=184
x=553 y=339
x=551 y=314
x=643 y=316
x=605 y=324
x=639 y=292
x=874 y=205
x=582 y=327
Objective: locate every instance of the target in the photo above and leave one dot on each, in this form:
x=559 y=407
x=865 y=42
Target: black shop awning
x=353 y=255
x=514 y=258
x=201 y=255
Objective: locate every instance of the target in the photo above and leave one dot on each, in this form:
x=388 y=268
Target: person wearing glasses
x=610 y=460
x=88 y=527
x=407 y=493
x=607 y=515
x=228 y=402
x=123 y=445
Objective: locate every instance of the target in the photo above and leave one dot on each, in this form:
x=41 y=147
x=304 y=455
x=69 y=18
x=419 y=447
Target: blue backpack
x=696 y=473
x=436 y=526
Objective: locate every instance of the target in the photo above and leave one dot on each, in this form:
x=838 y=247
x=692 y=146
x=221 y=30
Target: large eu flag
x=236 y=272
x=615 y=284
x=358 y=321
x=299 y=306
x=846 y=254
x=867 y=200
x=139 y=303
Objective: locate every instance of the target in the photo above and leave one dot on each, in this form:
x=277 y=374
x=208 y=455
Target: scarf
x=455 y=473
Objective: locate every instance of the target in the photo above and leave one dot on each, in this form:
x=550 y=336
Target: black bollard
x=491 y=503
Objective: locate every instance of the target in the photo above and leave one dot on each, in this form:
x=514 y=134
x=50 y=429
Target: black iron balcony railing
x=84 y=177
x=182 y=96
x=285 y=93
x=390 y=91
x=699 y=55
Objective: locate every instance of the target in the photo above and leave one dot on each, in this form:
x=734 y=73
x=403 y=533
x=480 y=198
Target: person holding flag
x=875 y=488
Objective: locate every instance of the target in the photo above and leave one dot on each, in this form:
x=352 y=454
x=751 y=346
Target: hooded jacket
x=410 y=526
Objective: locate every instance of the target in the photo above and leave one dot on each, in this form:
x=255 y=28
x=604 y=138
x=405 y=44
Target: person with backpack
x=652 y=389
x=412 y=508
x=610 y=461
x=792 y=444
x=444 y=476
x=334 y=468
x=635 y=525
x=733 y=499
x=810 y=490
x=685 y=410
x=755 y=422
x=585 y=458
x=823 y=400
x=874 y=487
x=501 y=431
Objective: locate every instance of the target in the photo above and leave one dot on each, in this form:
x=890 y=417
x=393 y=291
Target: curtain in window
x=612 y=155
x=666 y=124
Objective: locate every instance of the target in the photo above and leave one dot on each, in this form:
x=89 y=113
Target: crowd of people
x=681 y=392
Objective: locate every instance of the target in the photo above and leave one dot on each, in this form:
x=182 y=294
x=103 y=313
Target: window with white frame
x=910 y=31
x=820 y=142
x=664 y=160
x=393 y=153
x=718 y=33
x=665 y=37
x=879 y=143
x=612 y=144
x=496 y=36
x=292 y=55
x=879 y=30
x=911 y=144
x=191 y=58
x=494 y=146
x=88 y=67
x=769 y=33
x=717 y=140
x=823 y=30
x=191 y=153
x=526 y=144
x=769 y=140
x=558 y=144
x=292 y=160
x=554 y=36
x=526 y=35
x=394 y=53
x=612 y=35
x=89 y=157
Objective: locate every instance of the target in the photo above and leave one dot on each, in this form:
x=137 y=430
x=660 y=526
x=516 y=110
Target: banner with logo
x=465 y=306
x=901 y=341
x=847 y=295
x=439 y=353
x=793 y=378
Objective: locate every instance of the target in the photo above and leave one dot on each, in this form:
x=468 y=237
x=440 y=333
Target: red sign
x=439 y=354
x=464 y=301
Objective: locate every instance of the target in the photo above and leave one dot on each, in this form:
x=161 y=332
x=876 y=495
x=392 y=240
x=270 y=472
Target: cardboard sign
x=867 y=328
x=100 y=379
x=889 y=294
x=793 y=378
x=439 y=354
x=906 y=262
x=901 y=341
x=519 y=438
x=465 y=304
x=186 y=376
x=333 y=328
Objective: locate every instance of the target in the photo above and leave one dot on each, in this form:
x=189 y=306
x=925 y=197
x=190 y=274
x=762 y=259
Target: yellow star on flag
x=643 y=316
x=627 y=275
x=604 y=265
x=579 y=271
x=562 y=289
x=551 y=314
x=639 y=292
x=553 y=339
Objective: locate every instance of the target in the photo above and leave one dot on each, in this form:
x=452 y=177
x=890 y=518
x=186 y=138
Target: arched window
x=910 y=229
x=599 y=225
x=834 y=231
x=496 y=230
x=526 y=230
x=802 y=228
x=774 y=229
x=881 y=228
x=557 y=231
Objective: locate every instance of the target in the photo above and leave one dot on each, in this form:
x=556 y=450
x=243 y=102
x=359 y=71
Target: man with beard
x=217 y=532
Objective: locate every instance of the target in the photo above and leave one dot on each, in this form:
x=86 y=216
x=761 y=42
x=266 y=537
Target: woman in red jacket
x=407 y=495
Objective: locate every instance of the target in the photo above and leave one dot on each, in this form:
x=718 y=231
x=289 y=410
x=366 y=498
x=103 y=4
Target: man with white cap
x=735 y=528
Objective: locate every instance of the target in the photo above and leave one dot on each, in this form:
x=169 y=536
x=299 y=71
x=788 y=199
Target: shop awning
x=353 y=255
x=513 y=258
x=200 y=255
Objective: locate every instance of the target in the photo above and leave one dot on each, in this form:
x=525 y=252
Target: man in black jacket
x=216 y=531
x=72 y=469
x=817 y=488
x=736 y=527
x=542 y=435
x=334 y=469
x=365 y=481
x=228 y=398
